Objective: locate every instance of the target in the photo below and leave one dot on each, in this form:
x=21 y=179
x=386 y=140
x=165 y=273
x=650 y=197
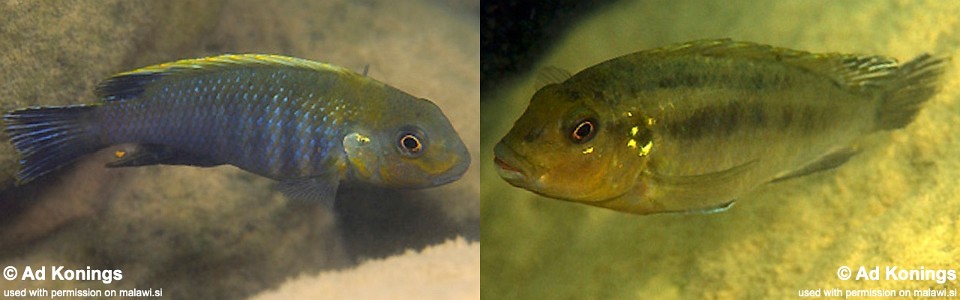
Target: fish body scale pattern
x=273 y=122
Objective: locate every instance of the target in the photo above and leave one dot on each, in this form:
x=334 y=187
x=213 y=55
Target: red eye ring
x=583 y=131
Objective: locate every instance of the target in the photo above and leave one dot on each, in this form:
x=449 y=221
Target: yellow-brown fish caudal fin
x=48 y=138
x=914 y=84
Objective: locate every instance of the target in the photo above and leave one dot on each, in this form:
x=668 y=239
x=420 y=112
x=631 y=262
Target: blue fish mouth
x=450 y=176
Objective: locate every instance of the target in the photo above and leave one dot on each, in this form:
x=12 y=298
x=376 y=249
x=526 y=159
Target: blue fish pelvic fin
x=49 y=138
x=321 y=188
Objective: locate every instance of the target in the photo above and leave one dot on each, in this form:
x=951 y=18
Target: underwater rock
x=445 y=271
x=56 y=52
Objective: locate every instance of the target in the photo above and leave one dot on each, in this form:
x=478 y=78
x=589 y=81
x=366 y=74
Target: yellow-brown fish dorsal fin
x=130 y=84
x=550 y=75
x=857 y=72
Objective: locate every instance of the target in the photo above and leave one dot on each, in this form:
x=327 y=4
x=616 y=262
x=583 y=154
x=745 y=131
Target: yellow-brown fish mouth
x=508 y=167
x=504 y=165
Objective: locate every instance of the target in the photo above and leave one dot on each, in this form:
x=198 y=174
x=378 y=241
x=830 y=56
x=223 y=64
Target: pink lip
x=508 y=166
x=504 y=165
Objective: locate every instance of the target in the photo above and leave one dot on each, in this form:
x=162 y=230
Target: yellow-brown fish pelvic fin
x=826 y=162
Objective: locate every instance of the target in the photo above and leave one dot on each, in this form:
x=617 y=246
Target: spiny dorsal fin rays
x=857 y=72
x=130 y=84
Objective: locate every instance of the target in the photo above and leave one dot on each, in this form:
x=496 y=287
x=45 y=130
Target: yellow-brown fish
x=691 y=127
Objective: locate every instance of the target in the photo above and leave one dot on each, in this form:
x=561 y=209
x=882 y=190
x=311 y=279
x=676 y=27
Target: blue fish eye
x=410 y=142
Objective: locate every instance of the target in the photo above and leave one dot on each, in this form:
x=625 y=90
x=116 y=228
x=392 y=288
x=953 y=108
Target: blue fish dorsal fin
x=130 y=84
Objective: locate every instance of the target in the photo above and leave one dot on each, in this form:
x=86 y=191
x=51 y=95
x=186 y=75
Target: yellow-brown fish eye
x=410 y=144
x=583 y=131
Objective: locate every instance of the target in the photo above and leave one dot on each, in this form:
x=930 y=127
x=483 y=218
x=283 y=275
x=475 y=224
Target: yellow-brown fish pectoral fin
x=321 y=189
x=701 y=193
x=706 y=178
x=153 y=154
x=826 y=162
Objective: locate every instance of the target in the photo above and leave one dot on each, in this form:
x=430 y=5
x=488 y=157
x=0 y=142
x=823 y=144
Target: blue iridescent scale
x=261 y=120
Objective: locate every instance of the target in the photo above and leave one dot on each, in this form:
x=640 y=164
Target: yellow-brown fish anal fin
x=550 y=75
x=322 y=188
x=914 y=84
x=153 y=154
x=826 y=162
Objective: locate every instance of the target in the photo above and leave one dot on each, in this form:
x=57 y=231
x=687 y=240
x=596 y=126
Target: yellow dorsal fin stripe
x=234 y=60
x=130 y=84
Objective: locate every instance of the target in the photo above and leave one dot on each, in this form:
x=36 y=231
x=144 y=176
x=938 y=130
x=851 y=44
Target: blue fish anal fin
x=321 y=189
x=154 y=154
x=49 y=138
x=126 y=86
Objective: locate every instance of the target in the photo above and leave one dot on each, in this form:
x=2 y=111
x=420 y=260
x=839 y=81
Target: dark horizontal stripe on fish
x=683 y=74
x=739 y=81
x=726 y=119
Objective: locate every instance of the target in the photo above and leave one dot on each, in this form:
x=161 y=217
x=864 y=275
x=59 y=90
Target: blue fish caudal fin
x=49 y=138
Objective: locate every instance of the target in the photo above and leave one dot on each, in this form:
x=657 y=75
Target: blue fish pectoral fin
x=828 y=161
x=321 y=189
x=154 y=154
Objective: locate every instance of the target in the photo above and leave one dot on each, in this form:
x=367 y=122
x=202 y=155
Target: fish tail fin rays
x=915 y=83
x=49 y=138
